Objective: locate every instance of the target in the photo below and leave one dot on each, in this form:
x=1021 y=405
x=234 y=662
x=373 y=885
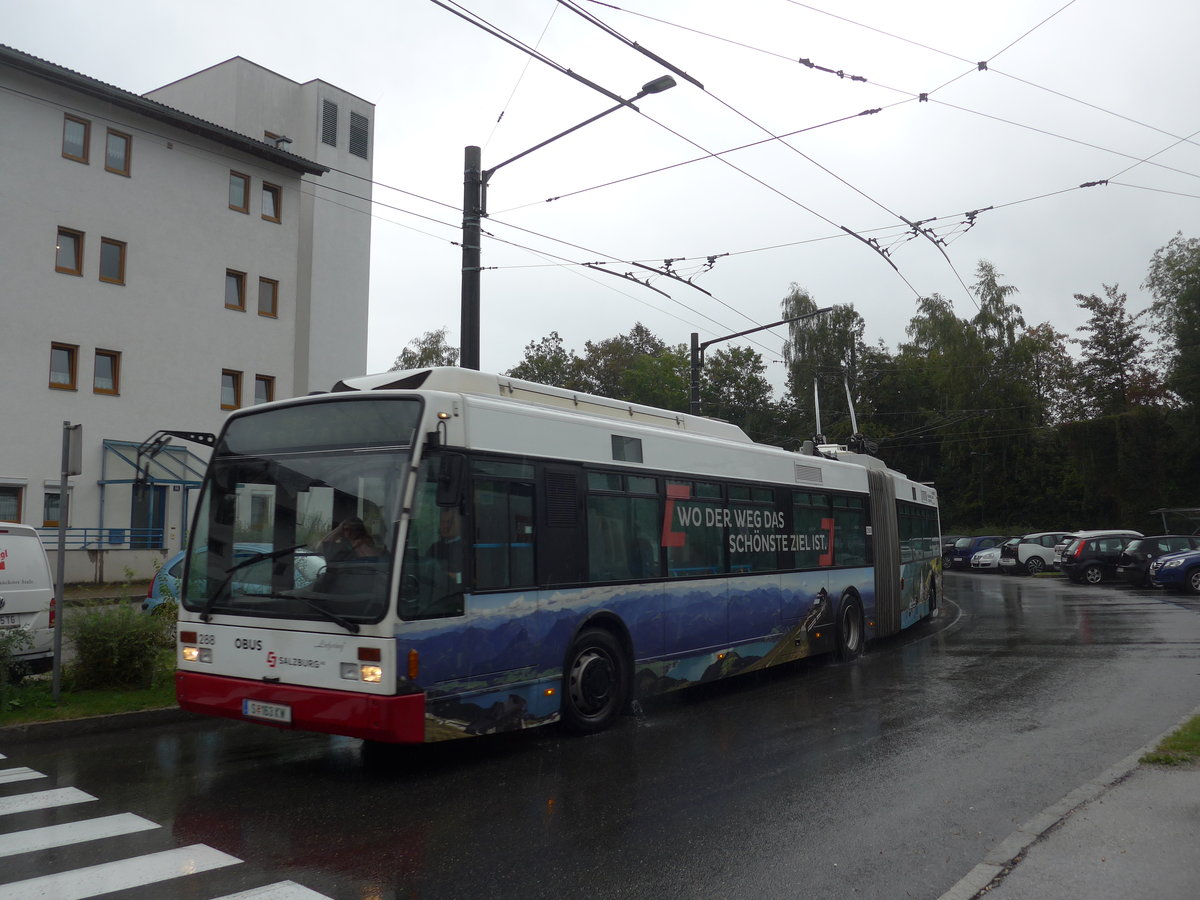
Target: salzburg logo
x=3 y=557
x=271 y=658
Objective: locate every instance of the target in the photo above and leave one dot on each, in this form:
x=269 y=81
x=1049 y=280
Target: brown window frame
x=115 y=356
x=277 y=192
x=79 y=238
x=245 y=194
x=273 y=313
x=269 y=381
x=237 y=388
x=73 y=355
x=120 y=245
x=241 y=283
x=87 y=138
x=19 y=490
x=128 y=138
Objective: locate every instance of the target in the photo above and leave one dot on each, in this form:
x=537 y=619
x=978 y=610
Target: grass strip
x=1181 y=747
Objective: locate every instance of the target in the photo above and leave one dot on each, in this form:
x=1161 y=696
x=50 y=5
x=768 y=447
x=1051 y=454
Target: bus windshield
x=298 y=514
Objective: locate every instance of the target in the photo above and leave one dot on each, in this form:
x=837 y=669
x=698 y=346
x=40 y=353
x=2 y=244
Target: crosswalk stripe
x=93 y=881
x=283 y=890
x=19 y=803
x=34 y=839
x=20 y=773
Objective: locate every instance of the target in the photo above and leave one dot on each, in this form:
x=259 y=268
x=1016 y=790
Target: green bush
x=12 y=641
x=117 y=647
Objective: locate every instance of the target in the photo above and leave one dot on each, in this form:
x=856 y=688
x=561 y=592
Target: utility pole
x=472 y=211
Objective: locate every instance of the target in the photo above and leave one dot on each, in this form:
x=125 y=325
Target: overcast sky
x=1072 y=93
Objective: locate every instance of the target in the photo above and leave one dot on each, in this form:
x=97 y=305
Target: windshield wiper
x=206 y=612
x=352 y=627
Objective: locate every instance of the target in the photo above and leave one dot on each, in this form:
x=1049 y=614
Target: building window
x=264 y=388
x=10 y=503
x=231 y=389
x=239 y=192
x=68 y=252
x=63 y=358
x=235 y=290
x=107 y=376
x=272 y=202
x=112 y=261
x=268 y=297
x=358 y=135
x=329 y=123
x=75 y=138
x=51 y=508
x=116 y=152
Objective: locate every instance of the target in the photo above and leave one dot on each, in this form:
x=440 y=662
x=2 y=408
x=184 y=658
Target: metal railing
x=104 y=538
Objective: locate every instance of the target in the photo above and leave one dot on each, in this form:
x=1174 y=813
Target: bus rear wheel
x=850 y=633
x=595 y=682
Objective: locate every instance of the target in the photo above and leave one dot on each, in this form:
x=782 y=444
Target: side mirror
x=450 y=479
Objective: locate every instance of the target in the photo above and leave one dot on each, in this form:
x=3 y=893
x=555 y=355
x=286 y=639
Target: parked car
x=1180 y=571
x=948 y=542
x=1134 y=564
x=986 y=560
x=167 y=584
x=1062 y=545
x=1032 y=553
x=967 y=547
x=1093 y=556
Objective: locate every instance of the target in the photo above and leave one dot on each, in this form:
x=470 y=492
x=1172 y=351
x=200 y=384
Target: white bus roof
x=468 y=381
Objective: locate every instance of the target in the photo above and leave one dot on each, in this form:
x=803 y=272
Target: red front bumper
x=396 y=720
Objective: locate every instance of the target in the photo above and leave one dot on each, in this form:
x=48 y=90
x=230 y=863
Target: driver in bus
x=349 y=540
x=447 y=550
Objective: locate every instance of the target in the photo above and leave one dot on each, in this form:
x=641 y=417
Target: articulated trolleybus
x=430 y=554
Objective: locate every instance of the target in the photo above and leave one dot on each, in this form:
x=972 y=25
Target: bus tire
x=596 y=682
x=849 y=633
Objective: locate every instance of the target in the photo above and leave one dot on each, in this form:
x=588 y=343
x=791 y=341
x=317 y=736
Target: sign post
x=72 y=464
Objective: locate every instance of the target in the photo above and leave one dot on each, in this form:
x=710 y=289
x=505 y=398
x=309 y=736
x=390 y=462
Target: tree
x=1174 y=282
x=998 y=321
x=825 y=350
x=1113 y=367
x=426 y=351
x=548 y=362
x=733 y=388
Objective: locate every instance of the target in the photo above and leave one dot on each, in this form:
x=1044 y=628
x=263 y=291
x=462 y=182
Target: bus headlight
x=197 y=654
x=372 y=674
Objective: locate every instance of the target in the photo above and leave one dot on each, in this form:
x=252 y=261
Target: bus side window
x=504 y=534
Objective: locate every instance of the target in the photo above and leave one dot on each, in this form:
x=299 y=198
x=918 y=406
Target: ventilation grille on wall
x=358 y=135
x=329 y=123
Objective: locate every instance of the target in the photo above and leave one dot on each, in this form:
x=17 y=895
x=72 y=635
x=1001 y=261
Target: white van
x=26 y=594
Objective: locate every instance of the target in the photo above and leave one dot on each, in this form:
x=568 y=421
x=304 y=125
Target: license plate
x=9 y=620
x=270 y=712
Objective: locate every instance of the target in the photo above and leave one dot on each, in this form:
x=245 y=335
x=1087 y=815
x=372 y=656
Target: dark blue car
x=1180 y=571
x=965 y=548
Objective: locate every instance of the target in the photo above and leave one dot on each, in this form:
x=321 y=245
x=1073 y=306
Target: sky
x=755 y=172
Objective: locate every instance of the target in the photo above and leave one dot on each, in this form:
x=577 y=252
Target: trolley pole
x=472 y=212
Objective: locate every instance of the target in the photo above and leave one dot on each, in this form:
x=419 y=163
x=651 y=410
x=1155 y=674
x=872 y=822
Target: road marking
x=120 y=875
x=34 y=839
x=284 y=890
x=42 y=800
x=20 y=773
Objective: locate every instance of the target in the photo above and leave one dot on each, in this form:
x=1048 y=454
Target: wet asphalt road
x=889 y=777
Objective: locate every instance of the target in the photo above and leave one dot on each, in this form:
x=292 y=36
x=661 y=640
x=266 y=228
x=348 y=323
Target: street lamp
x=699 y=348
x=475 y=182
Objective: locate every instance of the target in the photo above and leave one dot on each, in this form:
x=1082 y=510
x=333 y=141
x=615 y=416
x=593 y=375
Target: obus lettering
x=248 y=644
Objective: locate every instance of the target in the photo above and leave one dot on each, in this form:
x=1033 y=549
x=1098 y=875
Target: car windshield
x=962 y=543
x=298 y=509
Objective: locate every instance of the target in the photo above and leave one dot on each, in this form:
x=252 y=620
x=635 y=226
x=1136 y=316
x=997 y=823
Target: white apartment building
x=158 y=268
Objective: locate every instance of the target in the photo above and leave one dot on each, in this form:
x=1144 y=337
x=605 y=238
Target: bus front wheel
x=849 y=629
x=595 y=682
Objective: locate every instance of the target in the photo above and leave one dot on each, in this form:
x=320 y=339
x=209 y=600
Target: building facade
x=159 y=268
